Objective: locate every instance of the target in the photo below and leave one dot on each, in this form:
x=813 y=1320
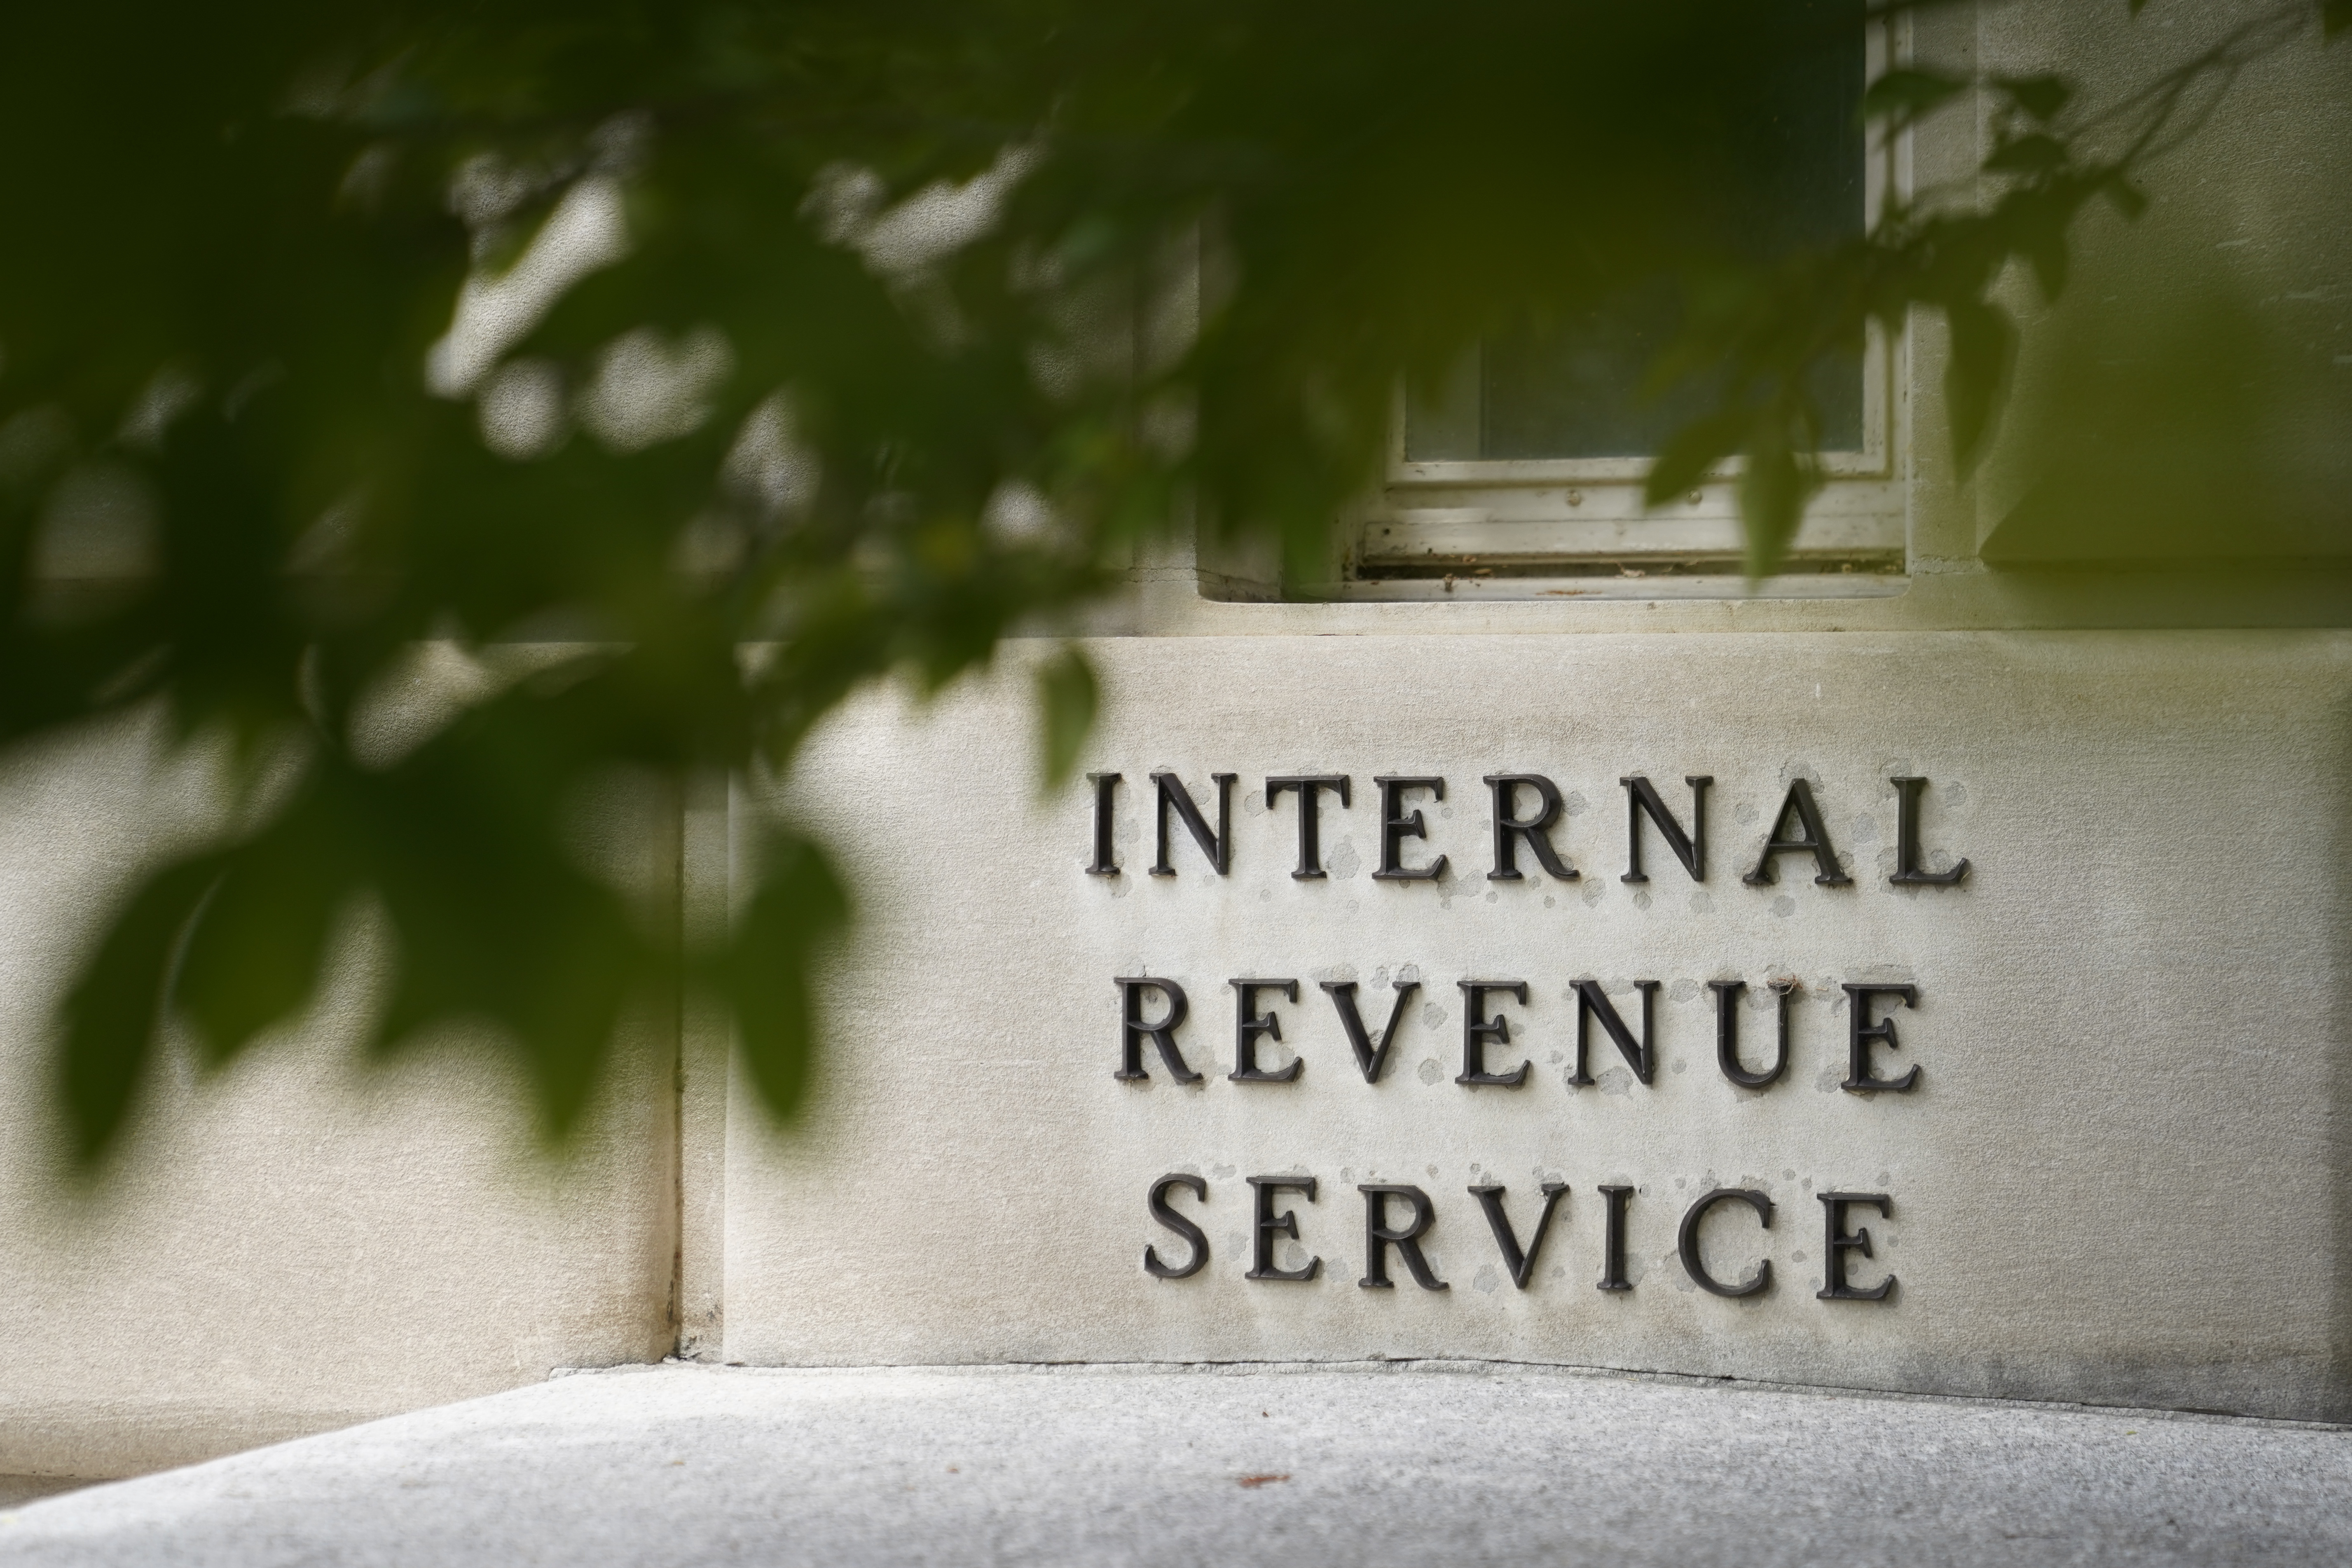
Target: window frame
x=1549 y=527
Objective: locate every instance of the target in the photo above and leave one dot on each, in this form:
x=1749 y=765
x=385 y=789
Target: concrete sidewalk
x=1359 y=1465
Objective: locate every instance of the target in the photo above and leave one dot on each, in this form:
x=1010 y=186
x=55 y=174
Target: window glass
x=1574 y=388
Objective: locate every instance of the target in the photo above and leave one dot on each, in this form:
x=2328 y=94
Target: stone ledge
x=1396 y=1463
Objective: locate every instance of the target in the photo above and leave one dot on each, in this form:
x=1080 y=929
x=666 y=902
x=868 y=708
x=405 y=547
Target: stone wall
x=296 y=1243
x=2120 y=1176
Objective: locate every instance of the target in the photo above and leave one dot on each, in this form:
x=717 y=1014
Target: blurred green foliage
x=2174 y=423
x=676 y=368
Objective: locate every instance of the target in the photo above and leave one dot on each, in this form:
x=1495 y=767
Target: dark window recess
x=1574 y=388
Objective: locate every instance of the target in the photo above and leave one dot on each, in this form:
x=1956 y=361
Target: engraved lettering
x=1837 y=1243
x=1687 y=1242
x=1310 y=789
x=1267 y=1224
x=1591 y=1001
x=1219 y=846
x=1510 y=828
x=1615 y=1201
x=1522 y=1265
x=1477 y=1030
x=1726 y=1033
x=1106 y=788
x=1815 y=841
x=1858 y=1079
x=1372 y=1056
x=1379 y=1236
x=1180 y=1225
x=1397 y=825
x=1249 y=1023
x=1908 y=873
x=1134 y=1028
x=1642 y=798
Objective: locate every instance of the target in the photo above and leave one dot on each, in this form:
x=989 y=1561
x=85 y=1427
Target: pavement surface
x=1404 y=1464
x=15 y=1490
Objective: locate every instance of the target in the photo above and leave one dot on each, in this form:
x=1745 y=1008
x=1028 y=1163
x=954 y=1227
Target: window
x=1521 y=473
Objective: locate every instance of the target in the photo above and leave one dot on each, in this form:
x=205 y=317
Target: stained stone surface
x=295 y=1243
x=2114 y=1180
x=1435 y=1463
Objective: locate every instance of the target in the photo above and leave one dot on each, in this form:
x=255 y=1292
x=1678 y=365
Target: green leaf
x=254 y=952
x=1983 y=340
x=2047 y=253
x=754 y=552
x=1774 y=485
x=475 y=845
x=2335 y=16
x=2035 y=154
x=1693 y=451
x=768 y=972
x=2041 y=235
x=112 y=1013
x=1067 y=700
x=2127 y=198
x=1905 y=94
x=2041 y=97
